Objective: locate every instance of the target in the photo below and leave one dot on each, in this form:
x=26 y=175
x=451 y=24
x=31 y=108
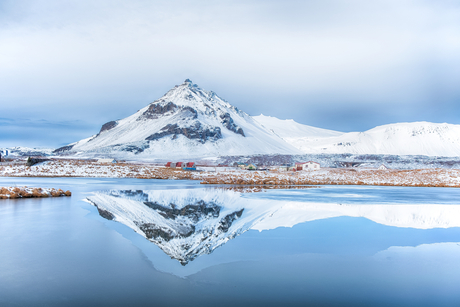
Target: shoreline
x=233 y=176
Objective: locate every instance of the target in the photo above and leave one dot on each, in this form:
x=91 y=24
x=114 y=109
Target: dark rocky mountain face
x=228 y=123
x=195 y=131
x=157 y=110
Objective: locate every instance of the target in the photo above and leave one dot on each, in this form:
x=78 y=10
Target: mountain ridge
x=413 y=138
x=189 y=122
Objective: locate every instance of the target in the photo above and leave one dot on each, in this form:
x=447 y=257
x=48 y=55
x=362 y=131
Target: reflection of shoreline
x=260 y=188
x=440 y=251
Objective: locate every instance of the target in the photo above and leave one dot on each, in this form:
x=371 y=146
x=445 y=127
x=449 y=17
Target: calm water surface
x=328 y=246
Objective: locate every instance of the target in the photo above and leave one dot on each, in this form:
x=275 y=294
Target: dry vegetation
x=331 y=176
x=416 y=178
x=26 y=192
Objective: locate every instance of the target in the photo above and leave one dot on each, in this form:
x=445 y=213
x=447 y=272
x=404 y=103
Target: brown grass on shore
x=26 y=192
x=414 y=178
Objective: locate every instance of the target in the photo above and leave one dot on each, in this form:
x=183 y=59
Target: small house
x=251 y=167
x=242 y=165
x=180 y=165
x=382 y=167
x=106 y=161
x=302 y=166
x=168 y=164
x=190 y=166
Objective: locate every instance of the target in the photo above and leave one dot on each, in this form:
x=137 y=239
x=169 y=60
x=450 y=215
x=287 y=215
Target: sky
x=67 y=67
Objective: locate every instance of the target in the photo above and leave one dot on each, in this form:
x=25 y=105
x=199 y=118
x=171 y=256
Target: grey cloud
x=314 y=61
x=42 y=133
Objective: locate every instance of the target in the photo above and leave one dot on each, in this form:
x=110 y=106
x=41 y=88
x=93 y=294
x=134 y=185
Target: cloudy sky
x=67 y=67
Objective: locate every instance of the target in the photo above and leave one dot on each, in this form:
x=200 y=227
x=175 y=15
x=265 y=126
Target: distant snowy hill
x=186 y=122
x=19 y=151
x=418 y=138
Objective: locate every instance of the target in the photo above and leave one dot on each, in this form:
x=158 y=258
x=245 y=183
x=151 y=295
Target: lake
x=129 y=242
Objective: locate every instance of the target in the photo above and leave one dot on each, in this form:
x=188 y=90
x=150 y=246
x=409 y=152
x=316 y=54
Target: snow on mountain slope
x=290 y=130
x=186 y=122
x=418 y=138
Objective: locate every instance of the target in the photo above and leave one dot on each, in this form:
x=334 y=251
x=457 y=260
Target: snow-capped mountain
x=186 y=122
x=189 y=122
x=417 y=138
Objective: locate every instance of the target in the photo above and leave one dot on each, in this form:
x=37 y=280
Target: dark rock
x=107 y=126
x=195 y=212
x=194 y=131
x=152 y=231
x=131 y=194
x=33 y=161
x=156 y=109
x=131 y=148
x=63 y=149
x=228 y=123
x=227 y=221
x=105 y=214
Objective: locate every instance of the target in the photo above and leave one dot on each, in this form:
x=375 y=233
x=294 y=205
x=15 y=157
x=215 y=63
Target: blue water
x=60 y=252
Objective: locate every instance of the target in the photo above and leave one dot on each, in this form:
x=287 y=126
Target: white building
x=382 y=167
x=303 y=166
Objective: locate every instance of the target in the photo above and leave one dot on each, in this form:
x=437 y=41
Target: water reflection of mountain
x=188 y=223
x=183 y=223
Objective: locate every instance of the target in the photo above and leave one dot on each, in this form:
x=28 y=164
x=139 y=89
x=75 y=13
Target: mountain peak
x=179 y=123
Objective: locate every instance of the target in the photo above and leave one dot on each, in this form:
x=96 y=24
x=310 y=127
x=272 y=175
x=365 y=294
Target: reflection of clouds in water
x=440 y=252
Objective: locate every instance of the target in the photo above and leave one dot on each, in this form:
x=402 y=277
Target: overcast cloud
x=342 y=65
